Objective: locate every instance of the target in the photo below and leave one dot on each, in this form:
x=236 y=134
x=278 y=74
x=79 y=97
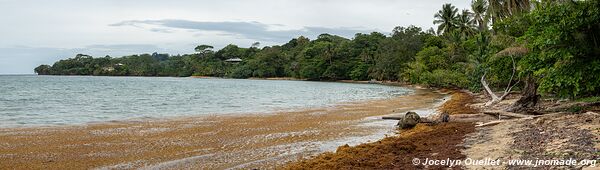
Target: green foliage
x=396 y=52
x=514 y=26
x=360 y=72
x=564 y=40
x=230 y=51
x=446 y=78
x=432 y=67
x=464 y=24
x=42 y=69
x=269 y=62
x=479 y=8
x=203 y=48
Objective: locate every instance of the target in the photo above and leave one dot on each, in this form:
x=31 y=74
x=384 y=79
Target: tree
x=395 y=52
x=231 y=51
x=203 y=48
x=512 y=53
x=564 y=40
x=479 y=8
x=514 y=7
x=446 y=17
x=43 y=69
x=270 y=62
x=255 y=45
x=501 y=9
x=465 y=24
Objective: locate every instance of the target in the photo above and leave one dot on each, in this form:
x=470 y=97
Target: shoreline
x=229 y=138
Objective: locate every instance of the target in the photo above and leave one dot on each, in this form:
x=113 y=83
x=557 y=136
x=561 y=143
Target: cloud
x=118 y=50
x=251 y=30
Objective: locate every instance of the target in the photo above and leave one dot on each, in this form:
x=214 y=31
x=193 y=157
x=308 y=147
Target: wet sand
x=262 y=141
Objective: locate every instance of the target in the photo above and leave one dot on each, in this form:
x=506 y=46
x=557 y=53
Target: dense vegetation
x=553 y=44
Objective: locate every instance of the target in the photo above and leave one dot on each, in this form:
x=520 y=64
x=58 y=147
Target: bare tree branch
x=507 y=90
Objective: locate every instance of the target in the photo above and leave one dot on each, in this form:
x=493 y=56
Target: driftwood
x=471 y=118
x=392 y=117
x=489 y=123
x=500 y=113
x=491 y=117
x=421 y=119
x=443 y=118
x=592 y=113
x=411 y=119
x=487 y=115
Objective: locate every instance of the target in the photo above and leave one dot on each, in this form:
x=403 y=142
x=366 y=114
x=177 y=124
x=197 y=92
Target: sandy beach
x=263 y=141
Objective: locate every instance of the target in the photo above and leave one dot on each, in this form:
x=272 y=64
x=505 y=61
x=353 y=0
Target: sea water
x=31 y=100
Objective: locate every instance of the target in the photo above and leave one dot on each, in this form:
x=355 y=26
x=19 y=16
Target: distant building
x=108 y=69
x=234 y=60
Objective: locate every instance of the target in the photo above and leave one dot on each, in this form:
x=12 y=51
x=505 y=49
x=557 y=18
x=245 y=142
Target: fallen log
x=422 y=119
x=489 y=123
x=471 y=118
x=499 y=113
x=392 y=117
x=442 y=117
x=409 y=120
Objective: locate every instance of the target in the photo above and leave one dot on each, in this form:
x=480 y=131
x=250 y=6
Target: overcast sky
x=34 y=32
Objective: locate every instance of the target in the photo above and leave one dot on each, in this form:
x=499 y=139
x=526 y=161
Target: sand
x=553 y=136
x=263 y=141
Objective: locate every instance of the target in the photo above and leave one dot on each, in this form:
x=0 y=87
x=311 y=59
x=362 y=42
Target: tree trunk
x=495 y=99
x=529 y=96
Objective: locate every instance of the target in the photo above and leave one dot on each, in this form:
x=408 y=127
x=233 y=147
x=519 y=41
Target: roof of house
x=234 y=60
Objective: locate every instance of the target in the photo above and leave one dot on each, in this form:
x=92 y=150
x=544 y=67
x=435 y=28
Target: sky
x=34 y=32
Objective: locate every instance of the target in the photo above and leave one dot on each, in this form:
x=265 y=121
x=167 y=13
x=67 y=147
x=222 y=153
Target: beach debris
x=409 y=120
x=501 y=113
x=592 y=113
x=431 y=119
x=489 y=123
x=436 y=118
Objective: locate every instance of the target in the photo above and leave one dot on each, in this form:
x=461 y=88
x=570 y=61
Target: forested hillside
x=552 y=46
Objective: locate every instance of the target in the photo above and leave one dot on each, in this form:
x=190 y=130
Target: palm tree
x=465 y=24
x=495 y=10
x=499 y=9
x=446 y=17
x=479 y=8
x=517 y=6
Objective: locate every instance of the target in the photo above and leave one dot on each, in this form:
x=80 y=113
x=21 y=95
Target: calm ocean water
x=66 y=100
